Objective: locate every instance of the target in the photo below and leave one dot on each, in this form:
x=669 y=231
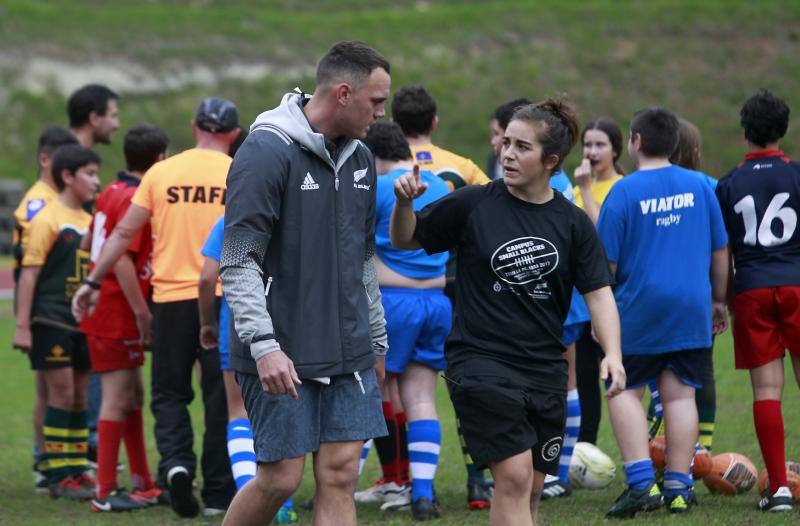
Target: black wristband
x=92 y=284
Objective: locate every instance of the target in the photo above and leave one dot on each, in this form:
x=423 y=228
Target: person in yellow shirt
x=182 y=197
x=52 y=269
x=35 y=199
x=414 y=109
x=600 y=169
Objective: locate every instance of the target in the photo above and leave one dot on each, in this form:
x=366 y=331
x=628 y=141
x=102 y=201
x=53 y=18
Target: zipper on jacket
x=269 y=284
x=358 y=379
x=338 y=263
x=335 y=180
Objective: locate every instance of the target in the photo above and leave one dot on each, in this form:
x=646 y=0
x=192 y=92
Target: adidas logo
x=309 y=183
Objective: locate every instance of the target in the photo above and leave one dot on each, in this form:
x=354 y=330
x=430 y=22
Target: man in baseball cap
x=216 y=115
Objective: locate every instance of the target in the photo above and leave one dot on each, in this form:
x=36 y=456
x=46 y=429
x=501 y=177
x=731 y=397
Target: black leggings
x=588 y=354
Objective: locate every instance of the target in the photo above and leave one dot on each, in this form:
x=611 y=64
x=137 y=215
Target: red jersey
x=113 y=316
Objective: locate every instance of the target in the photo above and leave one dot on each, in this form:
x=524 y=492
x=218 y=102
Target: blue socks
x=241 y=452
x=424 y=445
x=639 y=474
x=571 y=433
x=676 y=483
x=365 y=449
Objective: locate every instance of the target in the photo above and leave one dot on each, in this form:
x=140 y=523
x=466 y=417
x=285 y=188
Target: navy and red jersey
x=113 y=316
x=760 y=201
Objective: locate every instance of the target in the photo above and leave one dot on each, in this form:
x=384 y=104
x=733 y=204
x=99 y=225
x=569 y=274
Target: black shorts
x=54 y=348
x=689 y=366
x=500 y=418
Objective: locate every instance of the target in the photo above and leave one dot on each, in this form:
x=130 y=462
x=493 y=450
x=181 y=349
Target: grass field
x=734 y=432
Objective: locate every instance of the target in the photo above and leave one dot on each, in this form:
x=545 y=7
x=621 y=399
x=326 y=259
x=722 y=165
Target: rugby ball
x=590 y=467
x=731 y=474
x=792 y=473
x=658 y=452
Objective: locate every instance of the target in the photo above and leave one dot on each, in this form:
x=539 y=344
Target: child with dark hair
x=35 y=199
x=522 y=247
x=119 y=328
x=760 y=200
x=662 y=216
x=53 y=267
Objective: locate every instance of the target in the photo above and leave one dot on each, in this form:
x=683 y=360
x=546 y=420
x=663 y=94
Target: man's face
x=366 y=104
x=105 y=125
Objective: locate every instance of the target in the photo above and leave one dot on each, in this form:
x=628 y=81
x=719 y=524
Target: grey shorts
x=286 y=428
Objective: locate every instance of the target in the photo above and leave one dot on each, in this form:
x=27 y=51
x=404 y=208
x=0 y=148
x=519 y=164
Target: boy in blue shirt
x=418 y=320
x=662 y=230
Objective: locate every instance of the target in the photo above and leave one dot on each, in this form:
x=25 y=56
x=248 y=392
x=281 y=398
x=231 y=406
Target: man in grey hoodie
x=297 y=271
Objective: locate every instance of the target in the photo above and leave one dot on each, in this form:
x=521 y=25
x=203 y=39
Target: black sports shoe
x=117 y=500
x=781 y=500
x=555 y=488
x=631 y=502
x=182 y=500
x=424 y=509
x=479 y=494
x=679 y=504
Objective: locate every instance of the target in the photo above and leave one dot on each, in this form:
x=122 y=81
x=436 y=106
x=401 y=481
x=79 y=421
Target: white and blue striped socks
x=365 y=449
x=424 y=445
x=241 y=451
x=573 y=429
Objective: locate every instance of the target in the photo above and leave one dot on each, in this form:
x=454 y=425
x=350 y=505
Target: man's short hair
x=504 y=112
x=386 y=141
x=143 y=144
x=53 y=137
x=414 y=108
x=764 y=118
x=352 y=61
x=88 y=99
x=71 y=158
x=658 y=128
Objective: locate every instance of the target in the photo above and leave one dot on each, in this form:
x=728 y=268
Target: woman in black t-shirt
x=521 y=249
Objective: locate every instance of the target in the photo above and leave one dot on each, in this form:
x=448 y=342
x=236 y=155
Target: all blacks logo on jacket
x=524 y=259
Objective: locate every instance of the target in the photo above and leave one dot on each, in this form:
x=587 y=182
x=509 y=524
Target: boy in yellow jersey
x=40 y=194
x=182 y=197
x=414 y=110
x=52 y=269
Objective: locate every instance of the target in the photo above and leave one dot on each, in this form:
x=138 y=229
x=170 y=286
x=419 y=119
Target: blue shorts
x=417 y=322
x=573 y=332
x=643 y=369
x=225 y=333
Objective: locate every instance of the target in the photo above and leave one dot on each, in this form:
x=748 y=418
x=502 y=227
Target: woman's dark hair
x=764 y=118
x=559 y=132
x=687 y=152
x=612 y=130
x=71 y=158
x=658 y=128
x=386 y=141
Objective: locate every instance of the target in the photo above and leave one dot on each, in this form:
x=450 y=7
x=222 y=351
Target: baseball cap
x=216 y=115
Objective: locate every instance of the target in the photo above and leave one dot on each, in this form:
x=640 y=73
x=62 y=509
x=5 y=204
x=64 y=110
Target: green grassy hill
x=700 y=59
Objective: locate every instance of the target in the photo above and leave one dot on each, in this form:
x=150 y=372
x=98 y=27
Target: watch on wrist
x=92 y=284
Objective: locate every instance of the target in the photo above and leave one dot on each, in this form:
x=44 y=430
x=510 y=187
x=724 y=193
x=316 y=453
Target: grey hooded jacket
x=296 y=262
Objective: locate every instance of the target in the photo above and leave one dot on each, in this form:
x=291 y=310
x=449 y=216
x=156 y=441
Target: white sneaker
x=213 y=512
x=400 y=501
x=380 y=492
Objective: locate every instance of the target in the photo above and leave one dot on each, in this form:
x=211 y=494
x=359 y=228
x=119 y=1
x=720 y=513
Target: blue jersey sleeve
x=384 y=199
x=611 y=224
x=719 y=236
x=213 y=245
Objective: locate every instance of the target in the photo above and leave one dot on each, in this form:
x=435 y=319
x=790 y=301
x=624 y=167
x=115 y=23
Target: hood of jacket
x=291 y=120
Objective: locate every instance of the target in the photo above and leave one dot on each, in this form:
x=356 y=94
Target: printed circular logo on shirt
x=551 y=449
x=524 y=259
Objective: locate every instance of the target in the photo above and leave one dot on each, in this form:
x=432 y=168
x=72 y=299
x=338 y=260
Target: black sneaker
x=679 y=504
x=554 y=487
x=182 y=500
x=631 y=502
x=117 y=500
x=424 y=509
x=479 y=494
x=781 y=500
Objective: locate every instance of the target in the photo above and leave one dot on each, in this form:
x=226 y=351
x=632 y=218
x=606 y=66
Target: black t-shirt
x=760 y=200
x=517 y=265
